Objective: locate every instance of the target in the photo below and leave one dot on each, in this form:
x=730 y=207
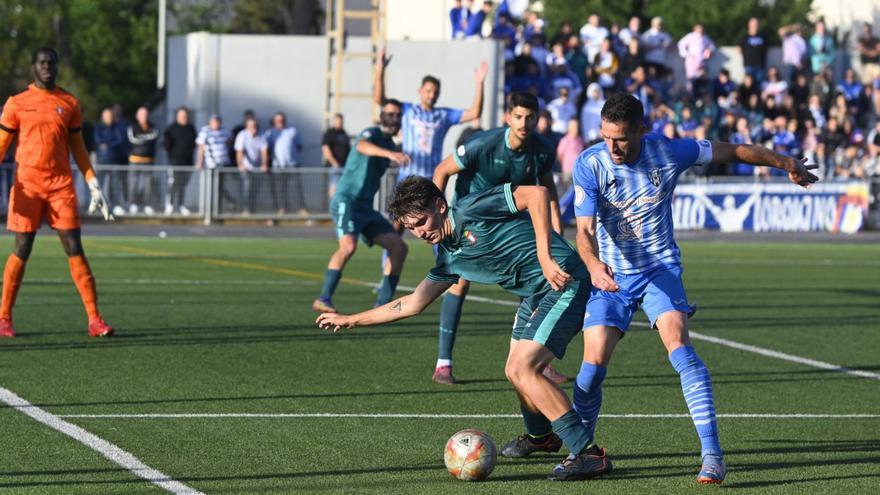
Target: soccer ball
x=470 y=455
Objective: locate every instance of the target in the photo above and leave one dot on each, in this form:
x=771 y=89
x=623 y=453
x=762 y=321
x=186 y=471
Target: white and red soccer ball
x=470 y=455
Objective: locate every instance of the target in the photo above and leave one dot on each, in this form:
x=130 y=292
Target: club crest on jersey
x=470 y=237
x=656 y=177
x=59 y=110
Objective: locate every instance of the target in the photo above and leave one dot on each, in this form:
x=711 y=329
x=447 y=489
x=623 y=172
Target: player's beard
x=391 y=124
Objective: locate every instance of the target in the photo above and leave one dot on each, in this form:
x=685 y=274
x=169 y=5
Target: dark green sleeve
x=441 y=272
x=495 y=203
x=467 y=155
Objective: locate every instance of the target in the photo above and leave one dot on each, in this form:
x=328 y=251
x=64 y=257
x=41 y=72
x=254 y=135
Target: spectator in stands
x=696 y=49
x=560 y=76
x=544 y=128
x=179 y=140
x=753 y=48
x=821 y=48
x=742 y=135
x=835 y=142
x=722 y=86
x=504 y=30
x=632 y=31
x=794 y=50
x=212 y=154
x=577 y=61
x=565 y=30
x=142 y=138
x=562 y=109
x=591 y=119
x=475 y=23
x=816 y=112
x=111 y=142
x=335 y=146
x=632 y=58
x=850 y=87
x=570 y=146
x=800 y=92
x=748 y=88
x=459 y=16
x=284 y=143
x=252 y=156
x=606 y=65
x=534 y=25
x=637 y=85
x=774 y=86
x=230 y=146
x=869 y=54
x=687 y=124
x=592 y=35
x=657 y=43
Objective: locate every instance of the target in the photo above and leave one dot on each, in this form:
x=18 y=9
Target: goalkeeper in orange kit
x=47 y=121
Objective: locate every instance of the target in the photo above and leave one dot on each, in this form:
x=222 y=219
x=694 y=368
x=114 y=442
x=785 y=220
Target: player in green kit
x=352 y=207
x=510 y=154
x=485 y=238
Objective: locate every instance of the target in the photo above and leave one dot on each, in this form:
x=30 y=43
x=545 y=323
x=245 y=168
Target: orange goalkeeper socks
x=12 y=275
x=85 y=284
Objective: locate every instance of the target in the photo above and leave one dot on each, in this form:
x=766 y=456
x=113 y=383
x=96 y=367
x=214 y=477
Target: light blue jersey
x=423 y=134
x=633 y=201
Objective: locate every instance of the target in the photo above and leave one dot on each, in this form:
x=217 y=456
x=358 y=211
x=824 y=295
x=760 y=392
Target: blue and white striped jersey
x=214 y=141
x=423 y=134
x=633 y=201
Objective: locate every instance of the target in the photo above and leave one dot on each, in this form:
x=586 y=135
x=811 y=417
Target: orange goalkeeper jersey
x=42 y=119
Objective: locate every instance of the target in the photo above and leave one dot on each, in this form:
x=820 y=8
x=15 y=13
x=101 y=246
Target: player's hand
x=555 y=275
x=799 y=173
x=98 y=201
x=334 y=322
x=399 y=158
x=481 y=71
x=602 y=277
x=381 y=60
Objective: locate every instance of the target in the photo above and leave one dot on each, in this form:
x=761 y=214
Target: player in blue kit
x=510 y=154
x=352 y=207
x=623 y=201
x=486 y=239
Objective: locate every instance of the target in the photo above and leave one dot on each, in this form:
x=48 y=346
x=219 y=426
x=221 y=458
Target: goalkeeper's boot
x=322 y=305
x=713 y=470
x=590 y=463
x=6 y=328
x=525 y=445
x=99 y=328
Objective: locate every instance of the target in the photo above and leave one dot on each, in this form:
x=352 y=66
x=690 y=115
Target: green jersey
x=363 y=174
x=487 y=160
x=493 y=243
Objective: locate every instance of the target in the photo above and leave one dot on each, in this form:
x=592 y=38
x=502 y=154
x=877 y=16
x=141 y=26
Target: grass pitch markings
x=315 y=276
x=96 y=443
x=449 y=416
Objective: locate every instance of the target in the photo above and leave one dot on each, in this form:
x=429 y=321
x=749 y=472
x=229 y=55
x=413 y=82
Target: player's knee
x=24 y=244
x=517 y=372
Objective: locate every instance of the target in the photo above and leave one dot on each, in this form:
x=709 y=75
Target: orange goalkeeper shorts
x=28 y=208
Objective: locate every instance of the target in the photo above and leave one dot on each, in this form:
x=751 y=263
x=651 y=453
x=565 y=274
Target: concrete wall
x=227 y=74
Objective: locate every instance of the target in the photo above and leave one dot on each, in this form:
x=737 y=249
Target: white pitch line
x=151 y=281
x=449 y=416
x=96 y=443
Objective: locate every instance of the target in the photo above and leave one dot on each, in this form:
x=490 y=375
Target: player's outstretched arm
x=475 y=111
x=379 y=76
x=398 y=309
x=601 y=275
x=444 y=171
x=536 y=199
x=81 y=156
x=798 y=171
x=365 y=147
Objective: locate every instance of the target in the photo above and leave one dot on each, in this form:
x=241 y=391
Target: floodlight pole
x=160 y=62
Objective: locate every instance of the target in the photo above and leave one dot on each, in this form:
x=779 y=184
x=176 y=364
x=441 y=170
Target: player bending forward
x=485 y=239
x=47 y=120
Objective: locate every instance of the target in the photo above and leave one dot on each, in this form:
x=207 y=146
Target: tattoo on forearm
x=397 y=308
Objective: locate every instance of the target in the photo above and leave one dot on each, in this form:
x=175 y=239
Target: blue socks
x=697 y=388
x=450 y=315
x=572 y=432
x=588 y=394
x=331 y=280
x=386 y=289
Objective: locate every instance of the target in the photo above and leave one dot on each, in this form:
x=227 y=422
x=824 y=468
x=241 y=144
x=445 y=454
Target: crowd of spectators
x=797 y=107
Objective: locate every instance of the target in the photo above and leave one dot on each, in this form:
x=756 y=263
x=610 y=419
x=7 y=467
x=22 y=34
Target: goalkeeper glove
x=98 y=201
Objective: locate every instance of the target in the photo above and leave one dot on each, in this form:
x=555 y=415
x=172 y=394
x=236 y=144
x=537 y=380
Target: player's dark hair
x=414 y=196
x=522 y=99
x=623 y=108
x=392 y=101
x=44 y=49
x=431 y=79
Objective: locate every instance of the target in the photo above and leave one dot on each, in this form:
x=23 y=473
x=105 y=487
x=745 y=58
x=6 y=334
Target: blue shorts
x=351 y=218
x=657 y=291
x=554 y=319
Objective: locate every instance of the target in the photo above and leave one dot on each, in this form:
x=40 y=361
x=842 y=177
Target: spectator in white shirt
x=593 y=33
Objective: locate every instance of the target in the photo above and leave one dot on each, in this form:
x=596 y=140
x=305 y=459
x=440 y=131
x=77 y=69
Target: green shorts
x=553 y=319
x=352 y=218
